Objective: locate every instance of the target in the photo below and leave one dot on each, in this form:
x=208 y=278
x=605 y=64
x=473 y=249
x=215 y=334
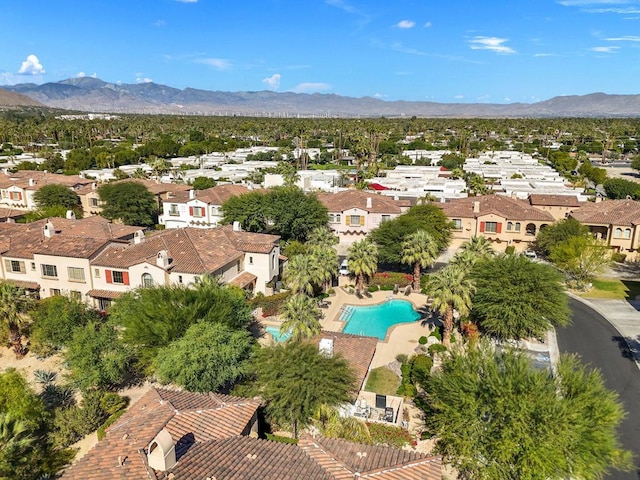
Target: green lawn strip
x=382 y=380
x=613 y=289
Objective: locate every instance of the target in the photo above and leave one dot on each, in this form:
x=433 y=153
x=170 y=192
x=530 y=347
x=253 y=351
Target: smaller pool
x=375 y=320
x=275 y=333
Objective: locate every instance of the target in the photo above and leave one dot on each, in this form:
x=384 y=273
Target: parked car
x=530 y=254
x=344 y=268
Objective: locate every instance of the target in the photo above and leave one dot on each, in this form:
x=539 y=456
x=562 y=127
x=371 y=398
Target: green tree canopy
x=130 y=202
x=210 y=357
x=294 y=390
x=153 y=317
x=559 y=232
x=202 y=183
x=516 y=298
x=390 y=234
x=362 y=261
x=57 y=196
x=581 y=258
x=14 y=304
x=496 y=416
x=419 y=250
x=301 y=318
x=619 y=188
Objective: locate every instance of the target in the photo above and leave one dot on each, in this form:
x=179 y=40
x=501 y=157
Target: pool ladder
x=345 y=313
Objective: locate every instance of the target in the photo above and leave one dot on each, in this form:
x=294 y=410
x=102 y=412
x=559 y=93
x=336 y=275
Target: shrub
x=373 y=288
x=402 y=357
x=420 y=368
x=423 y=340
x=278 y=438
x=389 y=435
x=102 y=430
x=437 y=348
x=44 y=377
x=387 y=280
x=510 y=250
x=619 y=257
x=436 y=333
x=270 y=305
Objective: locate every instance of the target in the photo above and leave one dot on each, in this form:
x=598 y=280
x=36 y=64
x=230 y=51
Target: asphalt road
x=602 y=346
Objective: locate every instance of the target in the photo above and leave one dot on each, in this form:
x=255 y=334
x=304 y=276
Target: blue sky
x=494 y=51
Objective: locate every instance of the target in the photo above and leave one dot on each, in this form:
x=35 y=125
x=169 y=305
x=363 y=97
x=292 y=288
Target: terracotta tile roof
x=190 y=250
x=250 y=242
x=547 y=200
x=503 y=206
x=243 y=280
x=6 y=213
x=347 y=460
x=357 y=350
x=183 y=414
x=245 y=458
x=96 y=293
x=212 y=196
x=157 y=188
x=609 y=212
x=22 y=178
x=74 y=247
x=345 y=200
x=24 y=284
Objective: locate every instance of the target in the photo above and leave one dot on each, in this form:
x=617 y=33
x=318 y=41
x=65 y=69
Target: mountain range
x=89 y=94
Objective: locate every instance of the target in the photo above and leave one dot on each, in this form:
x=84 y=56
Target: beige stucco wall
x=264 y=267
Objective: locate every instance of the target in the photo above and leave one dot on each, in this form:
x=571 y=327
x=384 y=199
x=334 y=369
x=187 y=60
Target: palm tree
x=14 y=303
x=301 y=318
x=362 y=259
x=419 y=250
x=450 y=290
x=302 y=273
x=465 y=259
x=479 y=246
x=326 y=259
x=322 y=237
x=15 y=441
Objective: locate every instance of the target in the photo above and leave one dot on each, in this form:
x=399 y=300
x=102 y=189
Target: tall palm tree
x=14 y=303
x=301 y=318
x=15 y=441
x=479 y=246
x=322 y=236
x=302 y=274
x=450 y=290
x=362 y=258
x=419 y=250
x=465 y=259
x=326 y=259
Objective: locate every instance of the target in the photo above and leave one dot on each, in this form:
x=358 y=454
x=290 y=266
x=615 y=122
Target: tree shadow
x=429 y=318
x=629 y=347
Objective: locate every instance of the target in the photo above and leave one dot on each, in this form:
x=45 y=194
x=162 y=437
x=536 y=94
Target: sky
x=451 y=51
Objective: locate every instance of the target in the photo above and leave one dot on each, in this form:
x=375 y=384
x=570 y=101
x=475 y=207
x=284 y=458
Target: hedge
x=387 y=280
x=270 y=305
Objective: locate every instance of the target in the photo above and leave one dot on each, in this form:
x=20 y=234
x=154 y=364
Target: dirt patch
x=29 y=364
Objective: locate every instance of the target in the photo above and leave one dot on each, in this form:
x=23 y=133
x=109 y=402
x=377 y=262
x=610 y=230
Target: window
x=627 y=233
x=173 y=210
x=75 y=274
x=355 y=220
x=75 y=295
x=386 y=218
x=55 y=292
x=490 y=227
x=15 y=266
x=334 y=218
x=197 y=212
x=33 y=265
x=618 y=232
x=147 y=280
x=94 y=202
x=457 y=224
x=103 y=303
x=49 y=271
x=250 y=260
x=273 y=261
x=179 y=278
x=96 y=272
x=509 y=226
x=15 y=195
x=115 y=276
x=517 y=226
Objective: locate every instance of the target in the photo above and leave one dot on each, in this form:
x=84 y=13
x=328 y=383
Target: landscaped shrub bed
x=389 y=435
x=270 y=305
x=387 y=280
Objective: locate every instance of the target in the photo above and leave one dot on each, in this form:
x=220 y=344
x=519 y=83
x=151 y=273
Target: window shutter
x=362 y=220
x=23 y=269
x=481 y=227
x=7 y=265
x=202 y=212
x=125 y=278
x=348 y=220
x=19 y=195
x=107 y=274
x=498 y=228
x=191 y=211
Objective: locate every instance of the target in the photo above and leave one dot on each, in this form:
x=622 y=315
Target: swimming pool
x=375 y=320
x=275 y=333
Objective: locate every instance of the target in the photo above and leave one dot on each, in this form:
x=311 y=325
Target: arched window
x=509 y=226
x=618 y=232
x=517 y=226
x=627 y=233
x=147 y=280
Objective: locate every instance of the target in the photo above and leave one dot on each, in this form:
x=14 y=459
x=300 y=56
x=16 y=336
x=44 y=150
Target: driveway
x=601 y=345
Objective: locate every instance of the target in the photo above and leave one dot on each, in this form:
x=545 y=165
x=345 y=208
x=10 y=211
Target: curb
x=599 y=310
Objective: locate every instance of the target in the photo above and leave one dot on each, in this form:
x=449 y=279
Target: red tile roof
x=547 y=200
x=503 y=206
x=22 y=178
x=213 y=196
x=609 y=212
x=96 y=293
x=345 y=200
x=243 y=280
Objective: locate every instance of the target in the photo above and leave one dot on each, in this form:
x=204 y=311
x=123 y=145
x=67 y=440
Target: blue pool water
x=275 y=333
x=375 y=320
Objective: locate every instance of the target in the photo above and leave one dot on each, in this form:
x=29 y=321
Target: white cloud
x=31 y=66
x=143 y=80
x=458 y=97
x=605 y=49
x=537 y=55
x=187 y=1
x=379 y=95
x=494 y=44
x=427 y=24
x=406 y=24
x=627 y=38
x=311 y=87
x=273 y=82
x=81 y=75
x=219 y=63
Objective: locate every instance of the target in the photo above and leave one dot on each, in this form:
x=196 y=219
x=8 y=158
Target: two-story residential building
x=559 y=206
x=198 y=208
x=182 y=256
x=354 y=213
x=616 y=222
x=17 y=189
x=501 y=219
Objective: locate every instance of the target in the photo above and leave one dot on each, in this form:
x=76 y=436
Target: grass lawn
x=613 y=289
x=382 y=380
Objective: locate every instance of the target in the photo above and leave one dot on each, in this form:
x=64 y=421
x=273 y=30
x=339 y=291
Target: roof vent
x=49 y=230
x=237 y=227
x=192 y=194
x=326 y=347
x=369 y=202
x=32 y=182
x=162 y=259
x=161 y=453
x=138 y=236
x=476 y=207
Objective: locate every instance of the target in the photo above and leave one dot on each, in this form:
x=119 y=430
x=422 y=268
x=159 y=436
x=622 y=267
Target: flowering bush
x=389 y=435
x=387 y=280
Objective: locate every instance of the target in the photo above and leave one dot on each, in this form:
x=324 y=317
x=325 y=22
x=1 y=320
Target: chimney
x=162 y=259
x=325 y=347
x=138 y=237
x=161 y=452
x=368 y=202
x=49 y=230
x=94 y=185
x=32 y=182
x=71 y=215
x=237 y=227
x=476 y=206
x=192 y=194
